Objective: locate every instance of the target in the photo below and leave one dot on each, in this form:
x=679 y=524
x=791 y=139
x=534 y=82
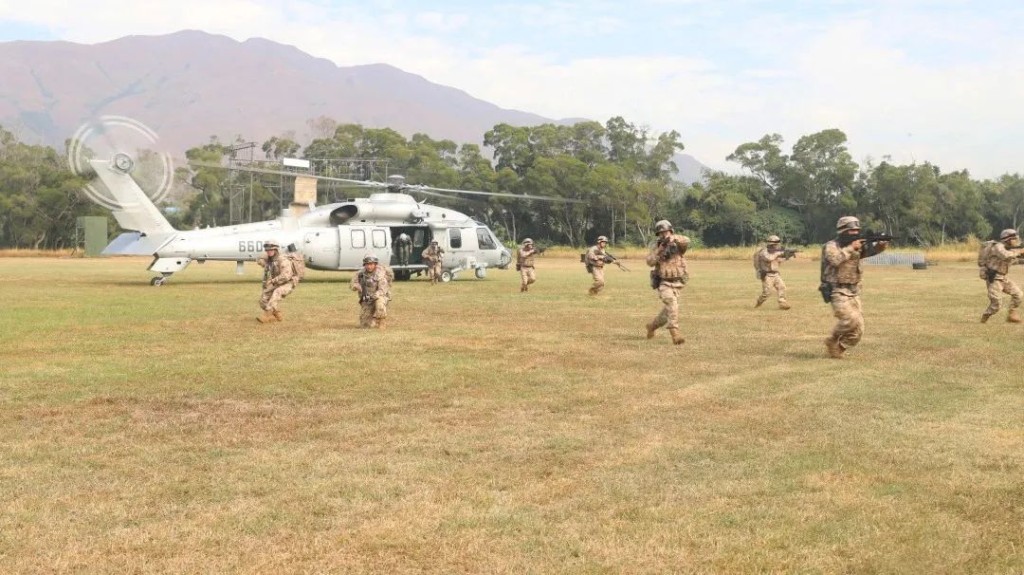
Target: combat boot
x=784 y=305
x=380 y=324
x=592 y=291
x=1013 y=316
x=651 y=330
x=677 y=338
x=267 y=317
x=759 y=302
x=277 y=315
x=835 y=350
x=522 y=289
x=985 y=316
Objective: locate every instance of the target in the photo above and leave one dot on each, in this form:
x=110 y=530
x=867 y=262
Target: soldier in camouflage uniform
x=997 y=259
x=525 y=264
x=840 y=276
x=669 y=276
x=595 y=260
x=403 y=248
x=277 y=281
x=374 y=289
x=432 y=258
x=767 y=260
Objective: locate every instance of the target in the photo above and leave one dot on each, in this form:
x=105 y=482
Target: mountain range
x=191 y=85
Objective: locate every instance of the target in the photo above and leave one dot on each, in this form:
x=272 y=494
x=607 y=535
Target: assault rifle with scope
x=868 y=236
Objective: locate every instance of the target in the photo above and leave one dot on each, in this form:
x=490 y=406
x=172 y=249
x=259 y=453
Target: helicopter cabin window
x=380 y=239
x=419 y=238
x=484 y=239
x=455 y=238
x=358 y=239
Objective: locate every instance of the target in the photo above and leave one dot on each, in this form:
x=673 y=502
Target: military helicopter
x=332 y=237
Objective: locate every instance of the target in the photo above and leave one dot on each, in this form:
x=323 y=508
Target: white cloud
x=902 y=81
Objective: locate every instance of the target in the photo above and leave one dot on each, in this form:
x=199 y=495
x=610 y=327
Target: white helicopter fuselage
x=334 y=237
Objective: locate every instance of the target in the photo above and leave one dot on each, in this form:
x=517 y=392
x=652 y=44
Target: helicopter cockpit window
x=380 y=239
x=484 y=239
x=455 y=238
x=358 y=239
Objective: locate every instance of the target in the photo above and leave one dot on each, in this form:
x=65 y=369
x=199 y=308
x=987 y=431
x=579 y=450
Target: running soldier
x=595 y=259
x=525 y=264
x=278 y=281
x=840 y=283
x=766 y=262
x=668 y=276
x=994 y=261
x=432 y=259
x=374 y=289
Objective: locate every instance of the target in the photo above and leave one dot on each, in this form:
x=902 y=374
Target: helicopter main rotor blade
x=371 y=184
x=421 y=188
x=270 y=172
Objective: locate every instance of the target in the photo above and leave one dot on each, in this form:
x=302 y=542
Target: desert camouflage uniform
x=403 y=249
x=525 y=262
x=595 y=261
x=672 y=274
x=432 y=258
x=768 y=271
x=278 y=282
x=841 y=269
x=374 y=295
x=998 y=259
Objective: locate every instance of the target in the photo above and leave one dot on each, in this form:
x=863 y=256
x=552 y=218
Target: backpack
x=298 y=266
x=983 y=252
x=757 y=268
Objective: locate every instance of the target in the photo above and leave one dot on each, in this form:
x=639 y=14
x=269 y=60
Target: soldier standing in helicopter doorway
x=277 y=281
x=403 y=248
x=374 y=287
x=432 y=258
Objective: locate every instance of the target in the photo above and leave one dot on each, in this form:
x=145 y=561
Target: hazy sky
x=939 y=81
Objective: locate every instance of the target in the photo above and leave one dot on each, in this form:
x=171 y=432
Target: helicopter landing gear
x=480 y=273
x=158 y=281
x=447 y=276
x=403 y=275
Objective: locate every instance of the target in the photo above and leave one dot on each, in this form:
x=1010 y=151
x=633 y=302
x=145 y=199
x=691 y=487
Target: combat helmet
x=773 y=239
x=847 y=223
x=602 y=239
x=271 y=245
x=1007 y=234
x=369 y=259
x=528 y=242
x=662 y=226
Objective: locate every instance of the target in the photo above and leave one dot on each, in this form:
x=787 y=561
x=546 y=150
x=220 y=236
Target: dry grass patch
x=163 y=430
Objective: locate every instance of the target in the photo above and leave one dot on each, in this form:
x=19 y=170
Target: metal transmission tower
x=349 y=168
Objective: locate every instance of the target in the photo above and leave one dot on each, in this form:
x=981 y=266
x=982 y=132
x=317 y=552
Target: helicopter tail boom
x=135 y=211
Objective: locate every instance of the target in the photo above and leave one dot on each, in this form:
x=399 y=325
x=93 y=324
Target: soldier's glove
x=608 y=259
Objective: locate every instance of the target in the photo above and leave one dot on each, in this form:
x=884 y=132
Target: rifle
x=670 y=249
x=868 y=236
x=786 y=254
x=537 y=250
x=610 y=259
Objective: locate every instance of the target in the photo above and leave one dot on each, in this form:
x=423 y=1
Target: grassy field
x=162 y=430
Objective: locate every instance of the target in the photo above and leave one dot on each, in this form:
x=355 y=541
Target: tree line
x=623 y=175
